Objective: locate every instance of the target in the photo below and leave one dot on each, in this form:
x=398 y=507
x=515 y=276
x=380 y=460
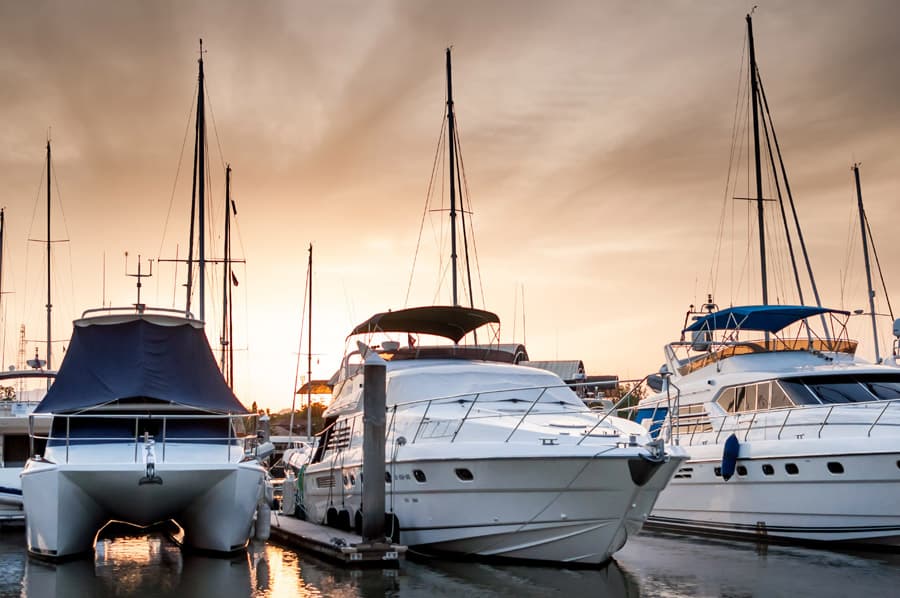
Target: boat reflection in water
x=150 y=565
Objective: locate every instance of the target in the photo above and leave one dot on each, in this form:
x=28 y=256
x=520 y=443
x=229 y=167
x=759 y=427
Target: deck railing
x=62 y=433
x=790 y=422
x=534 y=400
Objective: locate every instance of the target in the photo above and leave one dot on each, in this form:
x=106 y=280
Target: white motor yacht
x=484 y=457
x=143 y=429
x=814 y=449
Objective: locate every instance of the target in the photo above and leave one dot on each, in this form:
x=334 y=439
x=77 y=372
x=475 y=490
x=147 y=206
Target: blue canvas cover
x=139 y=358
x=769 y=318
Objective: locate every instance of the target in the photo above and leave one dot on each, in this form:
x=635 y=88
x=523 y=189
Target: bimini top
x=769 y=318
x=167 y=359
x=444 y=321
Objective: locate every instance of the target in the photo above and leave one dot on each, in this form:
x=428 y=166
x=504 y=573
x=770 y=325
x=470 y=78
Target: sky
x=596 y=138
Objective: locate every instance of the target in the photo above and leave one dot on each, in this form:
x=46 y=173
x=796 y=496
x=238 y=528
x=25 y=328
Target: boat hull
x=839 y=496
x=574 y=510
x=66 y=504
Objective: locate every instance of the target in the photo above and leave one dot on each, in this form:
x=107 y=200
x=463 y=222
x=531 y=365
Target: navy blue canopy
x=770 y=318
x=139 y=359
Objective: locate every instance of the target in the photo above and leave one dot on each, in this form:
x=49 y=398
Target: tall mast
x=759 y=198
x=451 y=135
x=226 y=337
x=198 y=207
x=309 y=351
x=201 y=180
x=49 y=304
x=865 y=248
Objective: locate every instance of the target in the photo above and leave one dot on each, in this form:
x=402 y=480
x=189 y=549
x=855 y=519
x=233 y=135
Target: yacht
x=21 y=392
x=142 y=429
x=791 y=435
x=484 y=457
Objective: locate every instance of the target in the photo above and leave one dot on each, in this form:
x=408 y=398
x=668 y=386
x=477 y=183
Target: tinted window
x=798 y=392
x=841 y=392
x=884 y=389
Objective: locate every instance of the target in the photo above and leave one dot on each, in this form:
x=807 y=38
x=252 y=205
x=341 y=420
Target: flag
x=234 y=279
x=410 y=340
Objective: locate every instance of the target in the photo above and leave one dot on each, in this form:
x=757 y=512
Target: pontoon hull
x=67 y=504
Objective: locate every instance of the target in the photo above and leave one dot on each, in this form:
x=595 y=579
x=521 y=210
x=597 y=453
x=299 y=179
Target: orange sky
x=596 y=139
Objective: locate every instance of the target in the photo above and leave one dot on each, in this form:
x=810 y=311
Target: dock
x=345 y=548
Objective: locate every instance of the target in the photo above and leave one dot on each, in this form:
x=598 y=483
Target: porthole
x=791 y=468
x=768 y=469
x=464 y=474
x=835 y=467
x=419 y=475
x=741 y=470
x=718 y=472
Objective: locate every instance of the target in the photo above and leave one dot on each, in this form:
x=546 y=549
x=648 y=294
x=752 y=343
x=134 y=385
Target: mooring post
x=373 y=448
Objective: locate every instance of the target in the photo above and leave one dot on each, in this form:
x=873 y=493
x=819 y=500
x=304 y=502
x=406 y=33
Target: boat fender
x=730 y=457
x=263 y=522
x=331 y=517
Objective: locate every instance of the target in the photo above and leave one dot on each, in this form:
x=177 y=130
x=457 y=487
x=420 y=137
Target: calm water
x=651 y=565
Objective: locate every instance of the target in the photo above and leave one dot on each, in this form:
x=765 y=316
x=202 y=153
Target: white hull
x=568 y=509
x=67 y=503
x=859 y=505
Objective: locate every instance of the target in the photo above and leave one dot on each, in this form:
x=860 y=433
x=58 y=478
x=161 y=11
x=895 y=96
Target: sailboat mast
x=201 y=185
x=754 y=93
x=49 y=304
x=451 y=136
x=865 y=248
x=225 y=339
x=309 y=350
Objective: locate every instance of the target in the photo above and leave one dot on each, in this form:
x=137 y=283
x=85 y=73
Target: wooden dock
x=342 y=547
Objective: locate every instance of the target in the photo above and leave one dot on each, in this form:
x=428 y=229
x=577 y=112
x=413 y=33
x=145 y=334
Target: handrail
x=527 y=412
x=733 y=422
x=231 y=439
x=140 y=311
x=615 y=407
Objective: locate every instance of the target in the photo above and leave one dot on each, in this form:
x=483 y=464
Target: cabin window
x=840 y=392
x=835 y=467
x=464 y=474
x=778 y=397
x=763 y=396
x=798 y=393
x=726 y=400
x=791 y=468
x=741 y=470
x=885 y=390
x=419 y=475
x=768 y=469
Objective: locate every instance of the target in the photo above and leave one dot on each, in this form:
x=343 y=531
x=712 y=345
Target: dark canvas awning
x=445 y=321
x=169 y=362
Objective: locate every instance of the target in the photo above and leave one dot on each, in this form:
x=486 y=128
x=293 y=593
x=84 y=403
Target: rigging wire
x=717 y=249
x=187 y=129
x=428 y=193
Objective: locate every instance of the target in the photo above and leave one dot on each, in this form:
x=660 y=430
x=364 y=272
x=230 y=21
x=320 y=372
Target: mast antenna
x=139 y=275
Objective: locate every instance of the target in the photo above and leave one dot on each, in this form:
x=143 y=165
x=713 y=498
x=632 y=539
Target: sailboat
x=484 y=457
x=792 y=436
x=22 y=388
x=144 y=428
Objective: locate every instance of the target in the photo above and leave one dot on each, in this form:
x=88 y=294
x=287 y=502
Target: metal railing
x=57 y=438
x=799 y=422
x=489 y=403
